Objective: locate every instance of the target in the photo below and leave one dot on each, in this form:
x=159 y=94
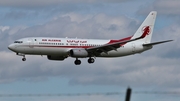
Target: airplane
x=62 y=48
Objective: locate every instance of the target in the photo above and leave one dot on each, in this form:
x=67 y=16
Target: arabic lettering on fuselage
x=76 y=41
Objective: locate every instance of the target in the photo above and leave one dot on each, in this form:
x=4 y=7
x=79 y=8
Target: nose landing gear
x=20 y=54
x=24 y=59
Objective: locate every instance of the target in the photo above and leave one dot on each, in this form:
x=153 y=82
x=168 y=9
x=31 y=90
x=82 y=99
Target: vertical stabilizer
x=146 y=27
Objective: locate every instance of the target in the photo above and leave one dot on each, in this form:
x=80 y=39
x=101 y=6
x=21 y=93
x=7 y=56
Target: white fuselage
x=61 y=46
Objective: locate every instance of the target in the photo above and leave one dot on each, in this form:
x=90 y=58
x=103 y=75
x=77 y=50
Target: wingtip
x=169 y=40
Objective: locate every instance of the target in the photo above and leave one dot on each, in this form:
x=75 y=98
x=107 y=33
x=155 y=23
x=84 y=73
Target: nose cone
x=11 y=47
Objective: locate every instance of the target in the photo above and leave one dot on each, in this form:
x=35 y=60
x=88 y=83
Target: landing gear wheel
x=77 y=62
x=23 y=59
x=91 y=60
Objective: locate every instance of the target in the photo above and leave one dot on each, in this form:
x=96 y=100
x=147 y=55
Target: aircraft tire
x=23 y=59
x=91 y=60
x=77 y=62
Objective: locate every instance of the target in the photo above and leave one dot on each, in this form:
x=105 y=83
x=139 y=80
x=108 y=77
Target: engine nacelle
x=53 y=57
x=78 y=53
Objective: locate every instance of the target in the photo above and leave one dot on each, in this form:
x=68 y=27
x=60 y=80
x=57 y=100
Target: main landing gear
x=91 y=60
x=78 y=62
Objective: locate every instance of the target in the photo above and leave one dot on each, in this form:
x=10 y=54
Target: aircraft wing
x=112 y=46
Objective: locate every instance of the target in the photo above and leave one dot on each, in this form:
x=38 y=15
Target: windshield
x=18 y=41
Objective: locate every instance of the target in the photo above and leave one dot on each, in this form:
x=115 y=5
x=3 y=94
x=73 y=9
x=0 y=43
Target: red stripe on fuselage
x=124 y=39
x=62 y=46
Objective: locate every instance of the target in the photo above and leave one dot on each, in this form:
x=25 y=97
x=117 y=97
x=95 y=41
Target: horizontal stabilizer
x=155 y=43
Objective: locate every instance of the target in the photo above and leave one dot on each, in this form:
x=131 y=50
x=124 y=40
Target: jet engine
x=54 y=57
x=78 y=53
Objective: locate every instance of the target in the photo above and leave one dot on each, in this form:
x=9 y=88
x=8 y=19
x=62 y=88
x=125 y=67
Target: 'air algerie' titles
x=51 y=40
x=68 y=41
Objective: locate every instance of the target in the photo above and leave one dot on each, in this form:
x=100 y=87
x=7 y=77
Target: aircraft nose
x=11 y=47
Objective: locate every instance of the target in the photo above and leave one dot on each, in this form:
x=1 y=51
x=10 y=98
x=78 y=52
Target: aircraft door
x=133 y=47
x=31 y=43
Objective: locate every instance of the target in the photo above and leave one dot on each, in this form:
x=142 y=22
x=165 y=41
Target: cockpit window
x=18 y=41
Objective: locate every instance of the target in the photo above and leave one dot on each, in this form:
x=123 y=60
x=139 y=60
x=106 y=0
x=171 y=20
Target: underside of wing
x=112 y=45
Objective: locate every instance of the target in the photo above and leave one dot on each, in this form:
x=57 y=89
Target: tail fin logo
x=146 y=30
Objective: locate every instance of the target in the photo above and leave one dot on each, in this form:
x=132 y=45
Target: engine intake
x=78 y=53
